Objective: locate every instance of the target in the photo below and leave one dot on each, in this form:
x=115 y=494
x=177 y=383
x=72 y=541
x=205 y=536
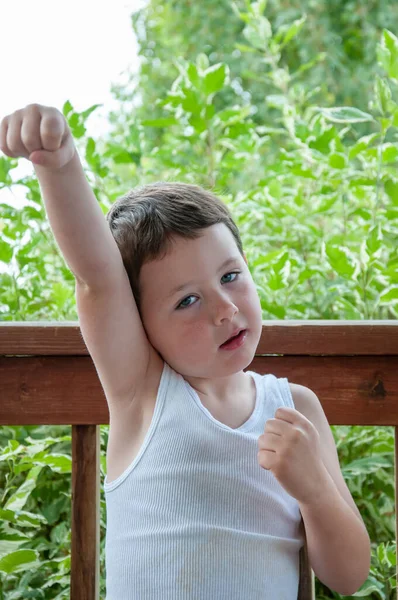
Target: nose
x=223 y=309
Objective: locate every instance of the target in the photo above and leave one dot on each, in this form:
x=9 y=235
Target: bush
x=317 y=206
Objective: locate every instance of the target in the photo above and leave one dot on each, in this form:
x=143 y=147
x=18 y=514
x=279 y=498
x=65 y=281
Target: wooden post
x=85 y=544
x=306 y=589
x=396 y=494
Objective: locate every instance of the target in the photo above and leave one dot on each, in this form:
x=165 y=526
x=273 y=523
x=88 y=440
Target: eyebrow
x=188 y=283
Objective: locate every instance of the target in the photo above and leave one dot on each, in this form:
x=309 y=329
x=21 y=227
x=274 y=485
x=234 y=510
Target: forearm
x=78 y=224
x=338 y=543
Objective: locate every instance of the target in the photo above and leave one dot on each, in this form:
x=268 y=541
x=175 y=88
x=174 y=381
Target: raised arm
x=108 y=315
x=42 y=135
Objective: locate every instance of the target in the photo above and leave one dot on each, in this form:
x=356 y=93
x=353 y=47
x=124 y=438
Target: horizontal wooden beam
x=344 y=338
x=65 y=390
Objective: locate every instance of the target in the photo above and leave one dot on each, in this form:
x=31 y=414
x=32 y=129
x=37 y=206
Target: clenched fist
x=290 y=448
x=38 y=133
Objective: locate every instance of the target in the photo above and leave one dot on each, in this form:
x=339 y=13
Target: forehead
x=189 y=260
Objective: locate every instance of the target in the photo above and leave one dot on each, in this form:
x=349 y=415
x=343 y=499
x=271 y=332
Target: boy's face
x=188 y=326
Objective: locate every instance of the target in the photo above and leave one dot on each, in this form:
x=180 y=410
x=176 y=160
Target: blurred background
x=288 y=110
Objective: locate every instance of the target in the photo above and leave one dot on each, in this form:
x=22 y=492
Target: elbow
x=356 y=574
x=349 y=591
x=355 y=581
x=348 y=588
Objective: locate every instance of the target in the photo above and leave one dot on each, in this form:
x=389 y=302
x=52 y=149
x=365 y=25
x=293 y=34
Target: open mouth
x=234 y=338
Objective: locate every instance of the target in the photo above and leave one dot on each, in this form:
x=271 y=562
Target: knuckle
x=296 y=435
x=30 y=108
x=30 y=143
x=52 y=126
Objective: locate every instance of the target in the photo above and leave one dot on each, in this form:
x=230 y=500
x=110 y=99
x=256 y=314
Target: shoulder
x=305 y=400
x=308 y=404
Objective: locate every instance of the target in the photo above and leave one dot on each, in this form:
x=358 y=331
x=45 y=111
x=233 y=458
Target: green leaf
x=202 y=61
x=86 y=113
x=174 y=99
x=20 y=560
x=345 y=114
x=289 y=31
x=270 y=258
x=374 y=239
x=382 y=94
x=20 y=497
x=391 y=188
x=6 y=251
x=215 y=77
x=120 y=155
x=276 y=100
x=61 y=293
x=341 y=260
x=305 y=66
x=59 y=463
x=274 y=309
x=387 y=53
x=258 y=33
x=67 y=108
x=351 y=312
x=337 y=161
x=6 y=164
x=244 y=48
x=191 y=103
x=362 y=144
x=162 y=122
x=193 y=75
x=257 y=8
x=390 y=295
x=198 y=123
x=389 y=153
x=327 y=202
x=229 y=116
x=76 y=126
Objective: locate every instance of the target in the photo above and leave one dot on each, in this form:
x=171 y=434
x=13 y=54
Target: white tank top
x=194 y=516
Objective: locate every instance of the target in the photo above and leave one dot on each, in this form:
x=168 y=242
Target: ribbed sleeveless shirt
x=194 y=516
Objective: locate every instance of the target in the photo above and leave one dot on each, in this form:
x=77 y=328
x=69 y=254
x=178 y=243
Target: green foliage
x=316 y=201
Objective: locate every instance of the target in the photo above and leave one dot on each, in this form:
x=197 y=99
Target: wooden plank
x=306 y=589
x=65 y=390
x=396 y=497
x=85 y=542
x=43 y=338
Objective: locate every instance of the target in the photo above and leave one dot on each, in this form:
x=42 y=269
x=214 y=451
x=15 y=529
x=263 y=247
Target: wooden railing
x=48 y=378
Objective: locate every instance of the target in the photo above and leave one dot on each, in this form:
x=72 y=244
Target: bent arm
x=338 y=544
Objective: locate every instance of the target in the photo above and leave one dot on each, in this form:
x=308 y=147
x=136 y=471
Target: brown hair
x=144 y=222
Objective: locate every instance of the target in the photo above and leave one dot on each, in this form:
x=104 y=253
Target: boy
x=211 y=471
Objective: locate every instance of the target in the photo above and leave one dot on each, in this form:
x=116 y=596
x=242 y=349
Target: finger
x=52 y=130
x=56 y=159
x=30 y=131
x=13 y=139
x=268 y=441
x=290 y=415
x=277 y=426
x=266 y=459
x=3 y=136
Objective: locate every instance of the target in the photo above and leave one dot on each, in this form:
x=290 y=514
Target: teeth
x=235 y=336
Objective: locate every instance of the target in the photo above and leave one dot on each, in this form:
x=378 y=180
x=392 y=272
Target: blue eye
x=182 y=305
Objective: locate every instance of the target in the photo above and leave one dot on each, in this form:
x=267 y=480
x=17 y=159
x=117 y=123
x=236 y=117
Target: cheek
x=249 y=295
x=191 y=331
